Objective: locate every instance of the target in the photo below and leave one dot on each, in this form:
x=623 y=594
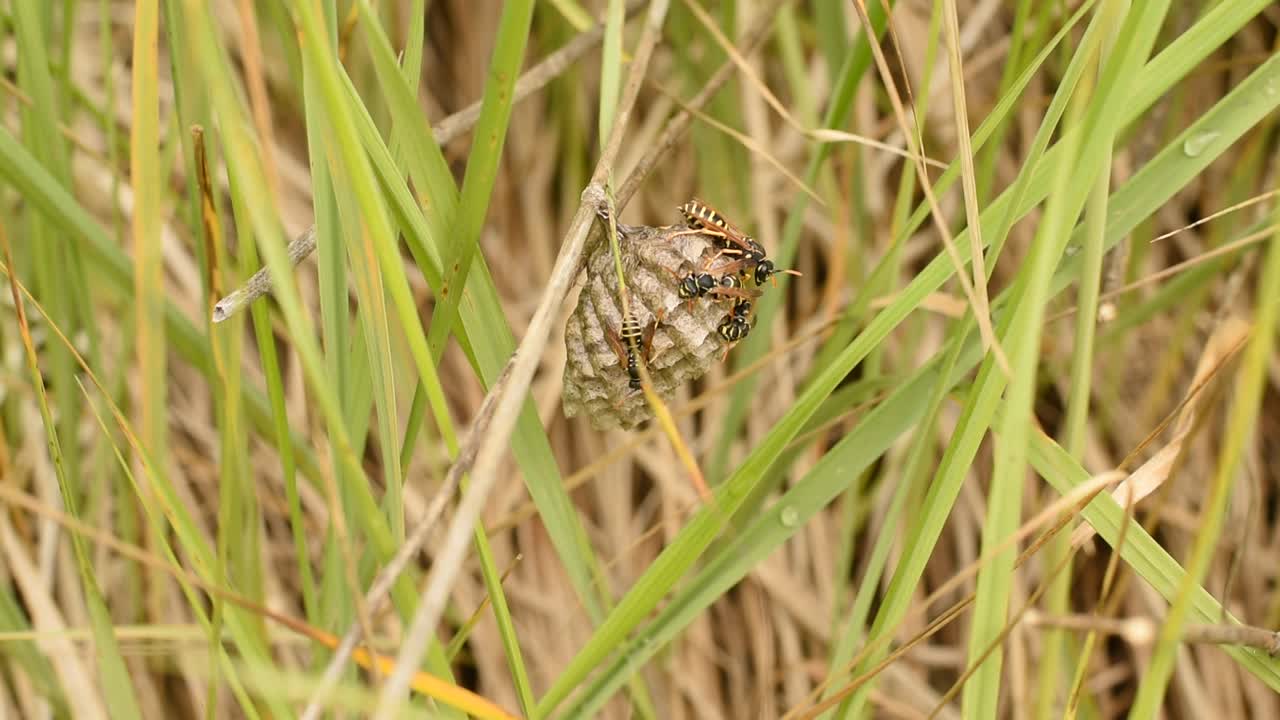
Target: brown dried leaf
x=1205 y=387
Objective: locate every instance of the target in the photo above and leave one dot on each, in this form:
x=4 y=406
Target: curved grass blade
x=855 y=65
x=424 y=228
x=116 y=687
x=37 y=186
x=1146 y=191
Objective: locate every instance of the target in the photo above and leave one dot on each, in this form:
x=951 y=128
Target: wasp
x=694 y=284
x=701 y=215
x=736 y=325
x=755 y=263
x=702 y=218
x=632 y=338
x=765 y=270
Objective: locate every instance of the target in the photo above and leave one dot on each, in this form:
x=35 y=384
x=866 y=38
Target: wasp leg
x=706 y=266
x=701 y=230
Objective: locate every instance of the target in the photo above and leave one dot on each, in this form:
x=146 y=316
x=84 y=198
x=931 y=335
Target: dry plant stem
x=680 y=122
x=675 y=128
x=1062 y=511
x=260 y=283
x=531 y=81
x=960 y=109
x=1118 y=290
x=1225 y=211
x=989 y=339
x=39 y=508
x=1141 y=631
x=492 y=428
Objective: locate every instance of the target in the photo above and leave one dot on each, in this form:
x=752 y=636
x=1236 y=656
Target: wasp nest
x=679 y=336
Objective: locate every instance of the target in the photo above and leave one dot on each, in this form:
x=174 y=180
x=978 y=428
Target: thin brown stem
x=487 y=440
x=448 y=129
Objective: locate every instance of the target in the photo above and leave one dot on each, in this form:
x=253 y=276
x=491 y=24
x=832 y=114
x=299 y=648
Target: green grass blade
x=114 y=675
x=38 y=187
x=856 y=62
x=1057 y=599
x=770 y=529
x=481 y=311
x=611 y=68
x=1243 y=418
x=249 y=192
x=54 y=261
x=163 y=507
x=482 y=163
x=1142 y=195
x=1144 y=554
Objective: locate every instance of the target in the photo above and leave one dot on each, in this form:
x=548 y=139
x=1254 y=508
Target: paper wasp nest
x=684 y=343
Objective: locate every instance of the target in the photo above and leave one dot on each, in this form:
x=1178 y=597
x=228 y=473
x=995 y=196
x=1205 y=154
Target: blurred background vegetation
x=906 y=454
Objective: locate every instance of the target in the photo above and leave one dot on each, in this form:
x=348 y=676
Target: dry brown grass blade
x=679 y=123
x=741 y=63
x=487 y=441
x=828 y=135
x=742 y=139
x=989 y=340
x=259 y=98
x=825 y=135
x=1142 y=631
x=445 y=131
x=208 y=216
x=1206 y=386
x=1214 y=216
x=1060 y=513
x=582 y=220
x=968 y=180
x=424 y=683
x=83 y=695
x=1155 y=277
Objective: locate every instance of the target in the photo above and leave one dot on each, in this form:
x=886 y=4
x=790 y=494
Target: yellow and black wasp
x=632 y=338
x=703 y=218
x=736 y=325
x=694 y=284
